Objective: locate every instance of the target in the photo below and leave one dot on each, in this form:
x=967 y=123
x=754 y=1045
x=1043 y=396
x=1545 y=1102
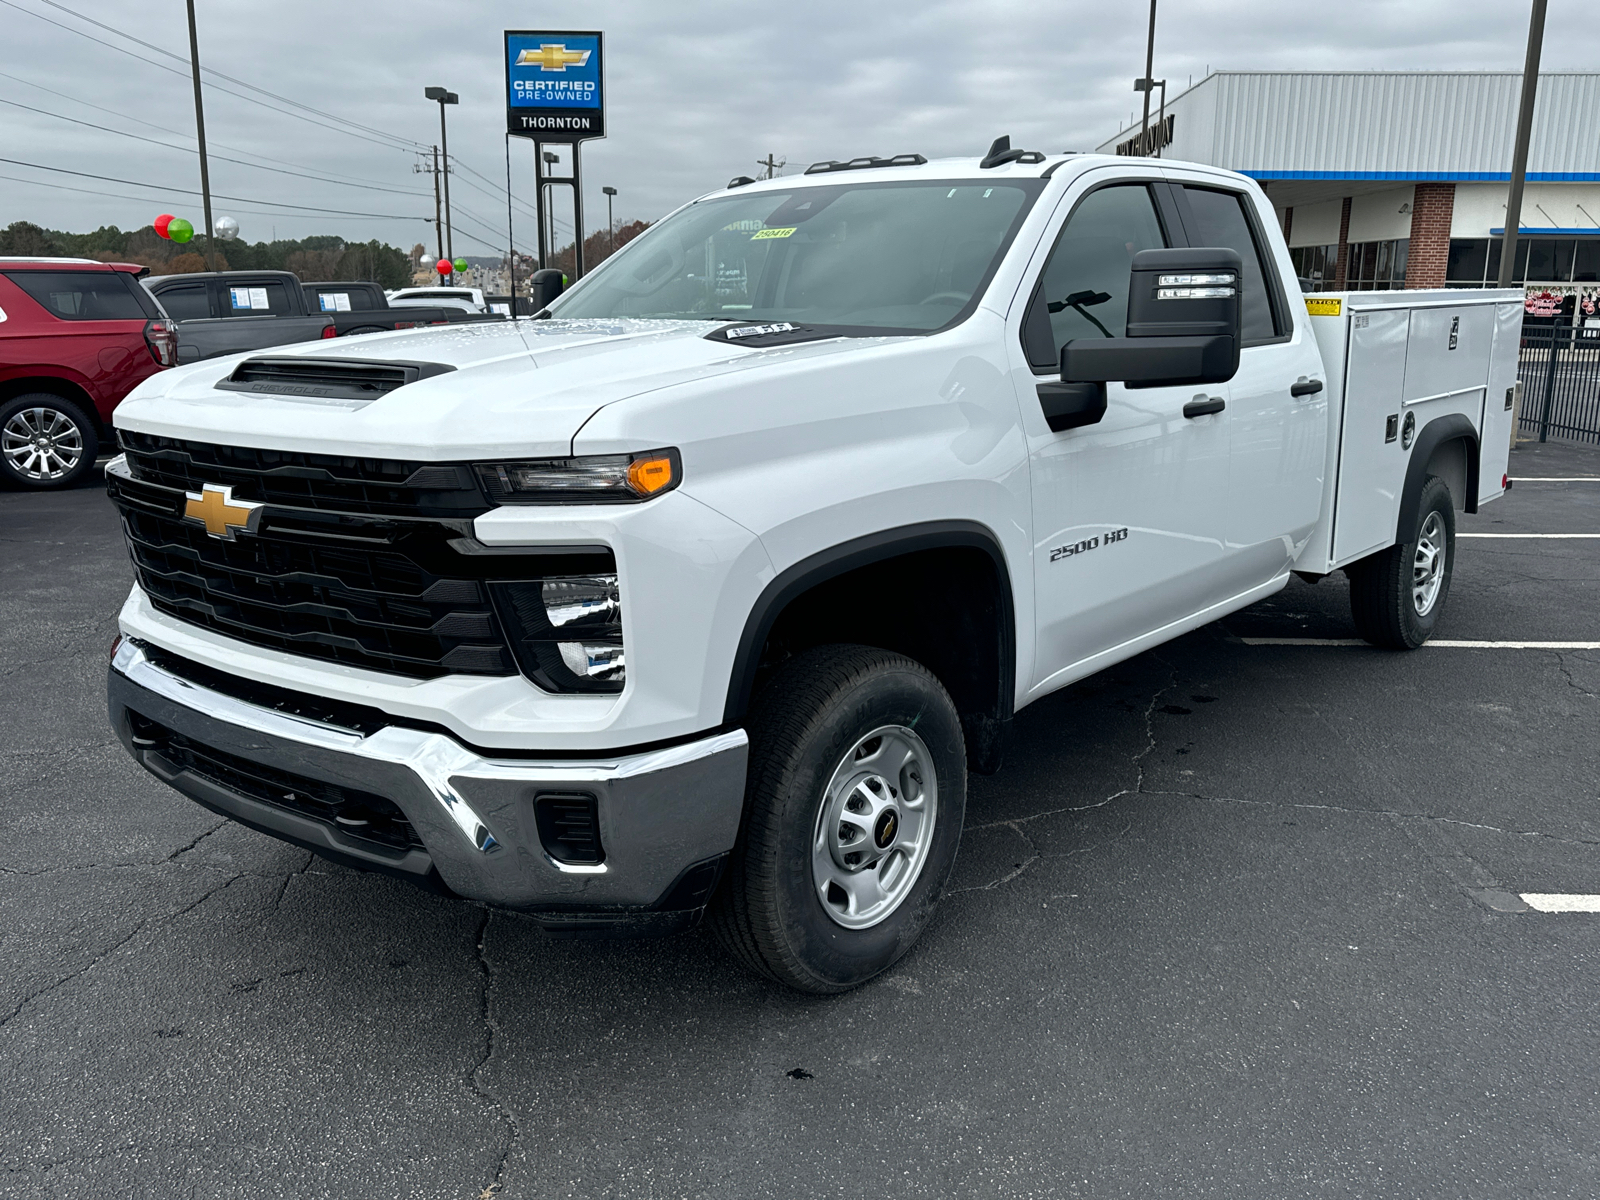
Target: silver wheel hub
x=1427 y=565
x=41 y=443
x=874 y=827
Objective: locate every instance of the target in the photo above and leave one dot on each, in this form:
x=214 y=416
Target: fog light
x=583 y=600
x=593 y=660
x=566 y=630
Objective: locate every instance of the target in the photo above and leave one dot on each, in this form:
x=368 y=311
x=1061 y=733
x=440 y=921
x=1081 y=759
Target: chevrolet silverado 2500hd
x=703 y=591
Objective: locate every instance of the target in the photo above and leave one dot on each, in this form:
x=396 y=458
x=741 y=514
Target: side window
x=186 y=302
x=1083 y=290
x=1219 y=220
x=82 y=295
x=256 y=300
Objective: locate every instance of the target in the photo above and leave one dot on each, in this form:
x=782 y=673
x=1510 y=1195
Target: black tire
x=71 y=435
x=816 y=709
x=1382 y=597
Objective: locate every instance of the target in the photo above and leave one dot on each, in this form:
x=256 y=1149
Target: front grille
x=406 y=594
x=354 y=813
x=302 y=480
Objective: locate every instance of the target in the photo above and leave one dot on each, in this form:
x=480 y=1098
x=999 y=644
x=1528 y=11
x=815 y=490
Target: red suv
x=75 y=337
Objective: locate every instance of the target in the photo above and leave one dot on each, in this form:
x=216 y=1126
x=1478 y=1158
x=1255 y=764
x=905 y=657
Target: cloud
x=699 y=90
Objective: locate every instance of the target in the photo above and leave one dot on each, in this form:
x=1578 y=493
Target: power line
x=217 y=157
x=254 y=212
x=229 y=78
x=161 y=187
x=388 y=145
x=332 y=175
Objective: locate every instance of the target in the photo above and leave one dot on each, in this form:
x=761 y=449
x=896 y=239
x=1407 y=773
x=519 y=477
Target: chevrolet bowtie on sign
x=222 y=515
x=555 y=85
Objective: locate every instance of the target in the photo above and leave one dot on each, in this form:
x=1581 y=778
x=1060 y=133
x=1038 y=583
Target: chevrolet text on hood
x=700 y=593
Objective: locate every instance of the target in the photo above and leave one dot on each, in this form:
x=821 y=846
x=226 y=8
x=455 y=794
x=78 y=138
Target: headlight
x=593 y=479
x=566 y=631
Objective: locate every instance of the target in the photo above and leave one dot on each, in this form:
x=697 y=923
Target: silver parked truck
x=699 y=594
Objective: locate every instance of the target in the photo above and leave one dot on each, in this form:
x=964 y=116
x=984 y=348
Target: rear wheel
x=45 y=441
x=1397 y=594
x=854 y=806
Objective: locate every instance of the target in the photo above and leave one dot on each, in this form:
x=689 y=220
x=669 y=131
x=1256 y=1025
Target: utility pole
x=1519 y=154
x=1149 y=64
x=772 y=165
x=422 y=168
x=200 y=135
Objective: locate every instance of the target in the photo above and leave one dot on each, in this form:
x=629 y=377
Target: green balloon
x=180 y=230
x=460 y=264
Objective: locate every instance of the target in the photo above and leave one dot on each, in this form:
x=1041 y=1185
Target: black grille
x=327 y=378
x=569 y=826
x=301 y=480
x=354 y=813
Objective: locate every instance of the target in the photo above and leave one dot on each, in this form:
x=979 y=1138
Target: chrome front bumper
x=666 y=816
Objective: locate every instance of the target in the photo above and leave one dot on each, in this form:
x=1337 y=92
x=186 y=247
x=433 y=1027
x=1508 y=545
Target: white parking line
x=1528 y=535
x=1437 y=644
x=1555 y=479
x=1558 y=902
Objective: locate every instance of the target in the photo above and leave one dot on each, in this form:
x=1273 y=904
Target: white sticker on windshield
x=258 y=298
x=744 y=331
x=240 y=297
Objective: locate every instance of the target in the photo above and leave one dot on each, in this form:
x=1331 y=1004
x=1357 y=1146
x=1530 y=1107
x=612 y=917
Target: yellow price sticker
x=763 y=234
x=1322 y=308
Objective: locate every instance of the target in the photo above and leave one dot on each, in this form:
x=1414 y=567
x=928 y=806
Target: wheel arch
x=1439 y=435
x=980 y=673
x=55 y=385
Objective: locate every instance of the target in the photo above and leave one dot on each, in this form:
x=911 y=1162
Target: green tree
x=26 y=238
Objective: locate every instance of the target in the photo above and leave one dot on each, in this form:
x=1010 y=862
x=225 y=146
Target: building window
x=1475 y=262
x=1314 y=266
x=1377 y=266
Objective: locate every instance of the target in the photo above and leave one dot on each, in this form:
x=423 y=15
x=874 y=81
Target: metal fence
x=1559 y=367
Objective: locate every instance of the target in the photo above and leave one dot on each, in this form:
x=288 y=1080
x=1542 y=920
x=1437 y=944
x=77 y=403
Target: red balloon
x=162 y=222
x=443 y=266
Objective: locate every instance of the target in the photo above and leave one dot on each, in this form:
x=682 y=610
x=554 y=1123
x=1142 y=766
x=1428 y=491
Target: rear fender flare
x=1433 y=435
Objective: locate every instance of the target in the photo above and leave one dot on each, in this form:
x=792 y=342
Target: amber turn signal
x=647 y=476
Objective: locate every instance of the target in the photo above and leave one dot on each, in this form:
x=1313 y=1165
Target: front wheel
x=1397 y=594
x=854 y=807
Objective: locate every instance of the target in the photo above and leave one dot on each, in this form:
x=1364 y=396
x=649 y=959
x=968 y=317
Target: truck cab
x=701 y=593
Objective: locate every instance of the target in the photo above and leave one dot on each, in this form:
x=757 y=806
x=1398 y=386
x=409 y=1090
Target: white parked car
x=466 y=299
x=705 y=593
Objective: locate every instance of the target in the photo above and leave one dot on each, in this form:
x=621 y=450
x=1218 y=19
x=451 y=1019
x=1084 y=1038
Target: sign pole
x=538 y=201
x=577 y=210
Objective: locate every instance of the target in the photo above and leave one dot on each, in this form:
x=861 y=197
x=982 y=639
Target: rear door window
x=84 y=295
x=186 y=302
x=259 y=299
x=1219 y=220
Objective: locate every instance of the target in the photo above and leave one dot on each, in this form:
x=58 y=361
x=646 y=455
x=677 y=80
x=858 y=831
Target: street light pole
x=611 y=221
x=443 y=97
x=1519 y=154
x=1149 y=65
x=200 y=135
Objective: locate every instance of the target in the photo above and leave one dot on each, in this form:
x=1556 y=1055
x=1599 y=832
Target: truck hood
x=518 y=389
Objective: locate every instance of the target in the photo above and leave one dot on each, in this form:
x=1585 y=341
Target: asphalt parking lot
x=1237 y=920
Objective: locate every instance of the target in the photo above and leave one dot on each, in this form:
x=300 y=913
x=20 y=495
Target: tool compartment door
x=1372 y=466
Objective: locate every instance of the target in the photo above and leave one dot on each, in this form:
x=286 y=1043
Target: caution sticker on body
x=763 y=234
x=1322 y=307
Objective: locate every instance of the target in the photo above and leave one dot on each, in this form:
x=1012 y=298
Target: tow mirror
x=544 y=286
x=1183 y=324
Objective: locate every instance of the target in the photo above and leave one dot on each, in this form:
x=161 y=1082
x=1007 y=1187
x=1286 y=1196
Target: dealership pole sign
x=555 y=86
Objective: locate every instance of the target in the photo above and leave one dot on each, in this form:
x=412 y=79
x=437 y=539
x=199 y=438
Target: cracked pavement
x=1234 y=920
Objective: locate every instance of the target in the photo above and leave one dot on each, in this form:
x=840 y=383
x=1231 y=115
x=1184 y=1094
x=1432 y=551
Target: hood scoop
x=338 y=381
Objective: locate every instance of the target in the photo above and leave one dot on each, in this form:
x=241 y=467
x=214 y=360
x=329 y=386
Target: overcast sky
x=698 y=91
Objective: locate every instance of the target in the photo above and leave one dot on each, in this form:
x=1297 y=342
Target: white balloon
x=427 y=260
x=226 y=228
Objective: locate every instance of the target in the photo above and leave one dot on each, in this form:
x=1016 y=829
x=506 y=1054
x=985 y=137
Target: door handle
x=1305 y=387
x=1203 y=405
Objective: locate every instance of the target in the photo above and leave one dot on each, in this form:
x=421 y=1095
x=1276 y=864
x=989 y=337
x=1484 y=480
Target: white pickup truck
x=701 y=592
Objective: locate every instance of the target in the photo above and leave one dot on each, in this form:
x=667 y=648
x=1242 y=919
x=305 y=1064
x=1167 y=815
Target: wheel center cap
x=884 y=829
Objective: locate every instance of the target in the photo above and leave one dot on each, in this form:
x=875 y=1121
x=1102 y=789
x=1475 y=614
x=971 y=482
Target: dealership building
x=1399 y=179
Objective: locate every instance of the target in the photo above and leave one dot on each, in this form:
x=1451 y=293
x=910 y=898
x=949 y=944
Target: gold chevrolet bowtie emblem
x=553 y=56
x=222 y=515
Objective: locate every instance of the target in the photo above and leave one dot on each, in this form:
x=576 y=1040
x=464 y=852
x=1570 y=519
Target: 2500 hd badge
x=1094 y=543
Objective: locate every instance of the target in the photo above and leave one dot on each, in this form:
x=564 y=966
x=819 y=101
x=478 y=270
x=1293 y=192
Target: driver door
x=1128 y=513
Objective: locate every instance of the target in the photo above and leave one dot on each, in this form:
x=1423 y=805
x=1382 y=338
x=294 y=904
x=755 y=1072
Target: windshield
x=869 y=257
